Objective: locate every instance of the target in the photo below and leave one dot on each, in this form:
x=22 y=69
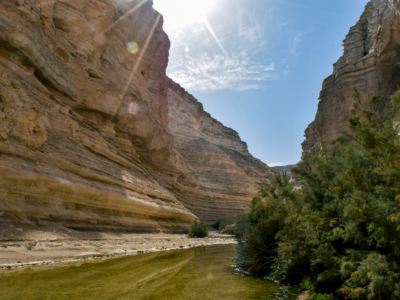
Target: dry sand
x=26 y=246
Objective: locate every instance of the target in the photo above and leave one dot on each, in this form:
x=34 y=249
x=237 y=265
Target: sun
x=180 y=13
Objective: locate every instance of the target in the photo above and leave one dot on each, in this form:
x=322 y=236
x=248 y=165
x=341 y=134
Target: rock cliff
x=219 y=175
x=284 y=169
x=369 y=62
x=94 y=136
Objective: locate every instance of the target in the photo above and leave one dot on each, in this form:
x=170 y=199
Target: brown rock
x=230 y=229
x=218 y=176
x=369 y=62
x=304 y=295
x=95 y=137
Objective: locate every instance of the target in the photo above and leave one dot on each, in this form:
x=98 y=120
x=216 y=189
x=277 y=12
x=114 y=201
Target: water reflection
x=196 y=273
x=199 y=250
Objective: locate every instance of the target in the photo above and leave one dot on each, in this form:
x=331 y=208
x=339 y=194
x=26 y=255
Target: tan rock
x=369 y=62
x=230 y=229
x=218 y=175
x=304 y=295
x=92 y=136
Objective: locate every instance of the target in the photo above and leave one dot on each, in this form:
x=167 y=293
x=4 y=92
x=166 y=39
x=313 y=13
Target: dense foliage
x=342 y=228
x=198 y=230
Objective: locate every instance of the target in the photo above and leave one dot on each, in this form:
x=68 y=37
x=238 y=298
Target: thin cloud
x=249 y=28
x=297 y=40
x=251 y=31
x=206 y=74
x=282 y=24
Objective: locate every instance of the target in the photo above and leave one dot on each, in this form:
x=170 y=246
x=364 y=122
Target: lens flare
x=187 y=48
x=133 y=108
x=132 y=47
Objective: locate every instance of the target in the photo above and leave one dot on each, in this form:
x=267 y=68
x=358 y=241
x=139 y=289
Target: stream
x=196 y=273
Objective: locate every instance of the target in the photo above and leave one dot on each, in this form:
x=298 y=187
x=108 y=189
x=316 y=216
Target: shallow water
x=196 y=273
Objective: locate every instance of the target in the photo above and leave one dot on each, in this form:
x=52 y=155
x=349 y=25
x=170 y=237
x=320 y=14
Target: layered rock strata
x=220 y=175
x=369 y=62
x=90 y=134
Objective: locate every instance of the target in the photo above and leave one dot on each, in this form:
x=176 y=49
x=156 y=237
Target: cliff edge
x=370 y=62
x=94 y=136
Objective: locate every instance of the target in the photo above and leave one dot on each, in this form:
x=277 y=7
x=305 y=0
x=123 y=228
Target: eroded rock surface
x=218 y=174
x=95 y=137
x=369 y=62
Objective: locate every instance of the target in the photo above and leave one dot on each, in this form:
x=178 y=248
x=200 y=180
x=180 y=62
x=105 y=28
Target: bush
x=317 y=296
x=225 y=222
x=241 y=225
x=198 y=230
x=306 y=284
x=342 y=228
x=292 y=292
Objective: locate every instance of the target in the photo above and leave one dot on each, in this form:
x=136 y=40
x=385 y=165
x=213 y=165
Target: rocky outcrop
x=369 y=62
x=218 y=175
x=284 y=169
x=93 y=135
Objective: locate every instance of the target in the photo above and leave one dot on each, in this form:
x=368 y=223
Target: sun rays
x=142 y=52
x=129 y=12
x=180 y=14
x=194 y=11
x=208 y=26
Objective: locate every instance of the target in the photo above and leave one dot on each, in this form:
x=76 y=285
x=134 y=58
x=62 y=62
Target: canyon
x=94 y=136
x=370 y=63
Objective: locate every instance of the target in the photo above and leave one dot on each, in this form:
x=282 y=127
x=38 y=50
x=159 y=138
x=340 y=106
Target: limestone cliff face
x=369 y=62
x=219 y=175
x=89 y=132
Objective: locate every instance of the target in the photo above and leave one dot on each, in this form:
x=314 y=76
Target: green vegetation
x=198 y=230
x=225 y=222
x=292 y=292
x=288 y=292
x=306 y=284
x=342 y=228
x=318 y=296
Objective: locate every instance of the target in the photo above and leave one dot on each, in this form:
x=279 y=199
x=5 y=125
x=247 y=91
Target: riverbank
x=26 y=246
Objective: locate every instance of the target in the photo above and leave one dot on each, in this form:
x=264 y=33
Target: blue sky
x=258 y=65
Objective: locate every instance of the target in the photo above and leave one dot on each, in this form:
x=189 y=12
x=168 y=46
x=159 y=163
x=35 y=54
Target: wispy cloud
x=208 y=74
x=297 y=40
x=249 y=28
x=251 y=31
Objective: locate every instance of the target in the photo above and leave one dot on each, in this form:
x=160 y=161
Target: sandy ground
x=26 y=246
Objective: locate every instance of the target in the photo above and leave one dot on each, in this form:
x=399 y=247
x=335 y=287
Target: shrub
x=342 y=228
x=198 y=230
x=306 y=284
x=240 y=226
x=225 y=222
x=317 y=296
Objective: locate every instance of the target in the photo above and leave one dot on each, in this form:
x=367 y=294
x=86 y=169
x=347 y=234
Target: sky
x=257 y=66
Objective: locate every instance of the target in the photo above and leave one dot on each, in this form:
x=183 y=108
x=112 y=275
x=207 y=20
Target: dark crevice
x=106 y=116
x=93 y=74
